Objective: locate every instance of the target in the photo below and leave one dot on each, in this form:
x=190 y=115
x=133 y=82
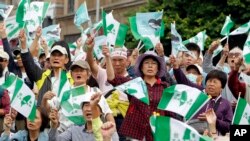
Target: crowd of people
x=111 y=114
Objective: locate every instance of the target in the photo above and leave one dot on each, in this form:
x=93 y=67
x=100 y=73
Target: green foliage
x=193 y=16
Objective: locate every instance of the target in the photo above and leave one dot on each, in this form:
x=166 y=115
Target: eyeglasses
x=231 y=55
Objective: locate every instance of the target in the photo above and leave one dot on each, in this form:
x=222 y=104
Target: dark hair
x=152 y=57
x=44 y=117
x=217 y=74
x=66 y=46
x=193 y=47
x=1 y=70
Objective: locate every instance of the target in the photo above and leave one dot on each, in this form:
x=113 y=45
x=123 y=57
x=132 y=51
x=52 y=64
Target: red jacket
x=5 y=102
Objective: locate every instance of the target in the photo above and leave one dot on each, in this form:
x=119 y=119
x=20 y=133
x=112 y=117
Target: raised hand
x=7 y=121
x=159 y=49
x=237 y=64
x=134 y=56
x=2 y=30
x=213 y=46
x=105 y=51
x=211 y=116
x=48 y=95
x=89 y=44
x=95 y=98
x=108 y=129
x=44 y=44
x=38 y=32
x=79 y=43
x=174 y=61
x=225 y=50
x=54 y=118
x=202 y=117
x=22 y=38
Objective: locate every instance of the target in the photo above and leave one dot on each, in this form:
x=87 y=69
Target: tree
x=192 y=17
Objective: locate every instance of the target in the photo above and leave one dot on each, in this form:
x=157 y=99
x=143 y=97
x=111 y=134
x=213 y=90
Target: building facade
x=62 y=12
x=66 y=19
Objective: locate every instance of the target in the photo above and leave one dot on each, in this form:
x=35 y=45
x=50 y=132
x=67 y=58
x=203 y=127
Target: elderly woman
x=34 y=130
x=215 y=82
x=136 y=125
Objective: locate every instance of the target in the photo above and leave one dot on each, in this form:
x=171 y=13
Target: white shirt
x=105 y=86
x=2 y=79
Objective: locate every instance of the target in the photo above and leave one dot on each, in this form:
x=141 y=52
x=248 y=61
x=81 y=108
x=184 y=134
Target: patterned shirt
x=136 y=123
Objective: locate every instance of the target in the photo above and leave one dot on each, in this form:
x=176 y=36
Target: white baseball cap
x=200 y=70
x=4 y=55
x=60 y=49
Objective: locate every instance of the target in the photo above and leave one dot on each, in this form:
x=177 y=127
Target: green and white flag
x=115 y=31
x=95 y=28
x=148 y=27
x=136 y=88
x=246 y=50
x=64 y=84
x=99 y=42
x=12 y=29
x=149 y=23
x=242 y=29
x=22 y=98
x=72 y=48
x=242 y=113
x=23 y=6
x=183 y=100
x=5 y=10
x=81 y=15
x=199 y=39
x=35 y=15
x=217 y=51
x=9 y=84
x=70 y=104
x=227 y=26
x=176 y=41
x=51 y=33
x=169 y=129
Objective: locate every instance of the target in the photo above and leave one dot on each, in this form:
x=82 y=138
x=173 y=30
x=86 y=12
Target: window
x=71 y=5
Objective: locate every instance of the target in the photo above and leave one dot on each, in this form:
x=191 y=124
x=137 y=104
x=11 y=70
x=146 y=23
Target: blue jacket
x=23 y=135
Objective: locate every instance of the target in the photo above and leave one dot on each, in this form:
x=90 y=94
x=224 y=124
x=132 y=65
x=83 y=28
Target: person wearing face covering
x=215 y=82
x=194 y=74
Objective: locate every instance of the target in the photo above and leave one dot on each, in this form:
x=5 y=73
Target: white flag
x=242 y=113
x=22 y=98
x=183 y=100
x=136 y=88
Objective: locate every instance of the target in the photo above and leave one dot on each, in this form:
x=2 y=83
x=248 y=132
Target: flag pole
x=227 y=38
x=229 y=30
x=236 y=107
x=97 y=10
x=140 y=47
x=139 y=44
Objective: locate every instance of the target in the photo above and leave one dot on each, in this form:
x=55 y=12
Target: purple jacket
x=224 y=115
x=224 y=111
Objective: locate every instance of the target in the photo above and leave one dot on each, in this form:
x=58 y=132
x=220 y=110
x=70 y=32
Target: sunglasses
x=2 y=59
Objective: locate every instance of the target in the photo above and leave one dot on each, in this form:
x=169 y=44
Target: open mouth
x=232 y=61
x=78 y=77
x=89 y=115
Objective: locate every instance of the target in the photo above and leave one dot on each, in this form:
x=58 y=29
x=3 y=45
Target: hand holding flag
x=136 y=88
x=242 y=113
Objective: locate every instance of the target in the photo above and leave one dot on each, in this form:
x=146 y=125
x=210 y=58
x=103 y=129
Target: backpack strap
x=45 y=74
x=40 y=82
